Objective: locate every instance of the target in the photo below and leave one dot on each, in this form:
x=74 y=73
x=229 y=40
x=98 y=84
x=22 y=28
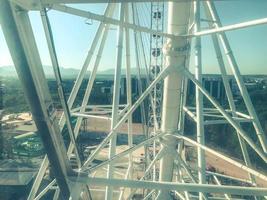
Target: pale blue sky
x=73 y=38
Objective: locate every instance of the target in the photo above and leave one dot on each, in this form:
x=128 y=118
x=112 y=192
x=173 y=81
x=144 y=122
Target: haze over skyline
x=73 y=38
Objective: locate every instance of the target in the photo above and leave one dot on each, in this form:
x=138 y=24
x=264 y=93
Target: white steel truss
x=177 y=178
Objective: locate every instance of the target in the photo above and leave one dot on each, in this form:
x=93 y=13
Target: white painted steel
x=235 y=69
x=231 y=27
x=228 y=159
x=201 y=158
x=228 y=117
x=161 y=76
x=107 y=20
x=63 y=101
x=228 y=91
x=191 y=187
x=219 y=183
x=126 y=152
x=188 y=171
x=43 y=192
x=71 y=99
x=174 y=107
x=26 y=57
x=115 y=101
x=175 y=52
x=129 y=89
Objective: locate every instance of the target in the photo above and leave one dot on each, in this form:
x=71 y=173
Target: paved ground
x=218 y=163
x=99 y=125
x=230 y=169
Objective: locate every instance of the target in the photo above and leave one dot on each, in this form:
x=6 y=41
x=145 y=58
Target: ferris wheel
x=155 y=41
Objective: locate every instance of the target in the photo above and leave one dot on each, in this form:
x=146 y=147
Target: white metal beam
x=231 y=27
x=161 y=76
x=239 y=130
x=235 y=69
x=175 y=51
x=107 y=20
x=191 y=187
x=227 y=159
x=201 y=159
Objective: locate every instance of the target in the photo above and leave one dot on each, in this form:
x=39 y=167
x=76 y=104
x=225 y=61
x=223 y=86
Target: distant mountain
x=71 y=73
x=66 y=73
x=9 y=71
x=123 y=71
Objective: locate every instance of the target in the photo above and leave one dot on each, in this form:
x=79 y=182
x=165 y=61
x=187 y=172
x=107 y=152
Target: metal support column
x=228 y=91
x=155 y=66
x=116 y=101
x=175 y=51
x=235 y=69
x=201 y=160
x=129 y=89
x=38 y=97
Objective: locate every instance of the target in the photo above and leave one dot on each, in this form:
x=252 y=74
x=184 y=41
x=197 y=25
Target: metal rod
x=116 y=100
x=191 y=187
x=161 y=76
x=71 y=99
x=184 y=165
x=108 y=12
x=230 y=27
x=137 y=41
x=228 y=177
x=201 y=159
x=91 y=116
x=235 y=163
x=240 y=131
x=211 y=122
x=61 y=92
x=126 y=152
x=48 y=187
x=238 y=77
x=175 y=52
x=227 y=87
x=92 y=79
x=38 y=97
x=149 y=195
x=151 y=164
x=219 y=183
x=38 y=179
x=129 y=173
x=129 y=89
x=32 y=4
x=107 y=20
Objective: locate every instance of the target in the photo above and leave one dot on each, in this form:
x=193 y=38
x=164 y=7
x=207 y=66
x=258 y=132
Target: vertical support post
x=71 y=99
x=129 y=89
x=228 y=91
x=129 y=172
x=155 y=66
x=201 y=160
x=175 y=52
x=116 y=100
x=92 y=77
x=137 y=41
x=240 y=82
x=63 y=101
x=19 y=37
